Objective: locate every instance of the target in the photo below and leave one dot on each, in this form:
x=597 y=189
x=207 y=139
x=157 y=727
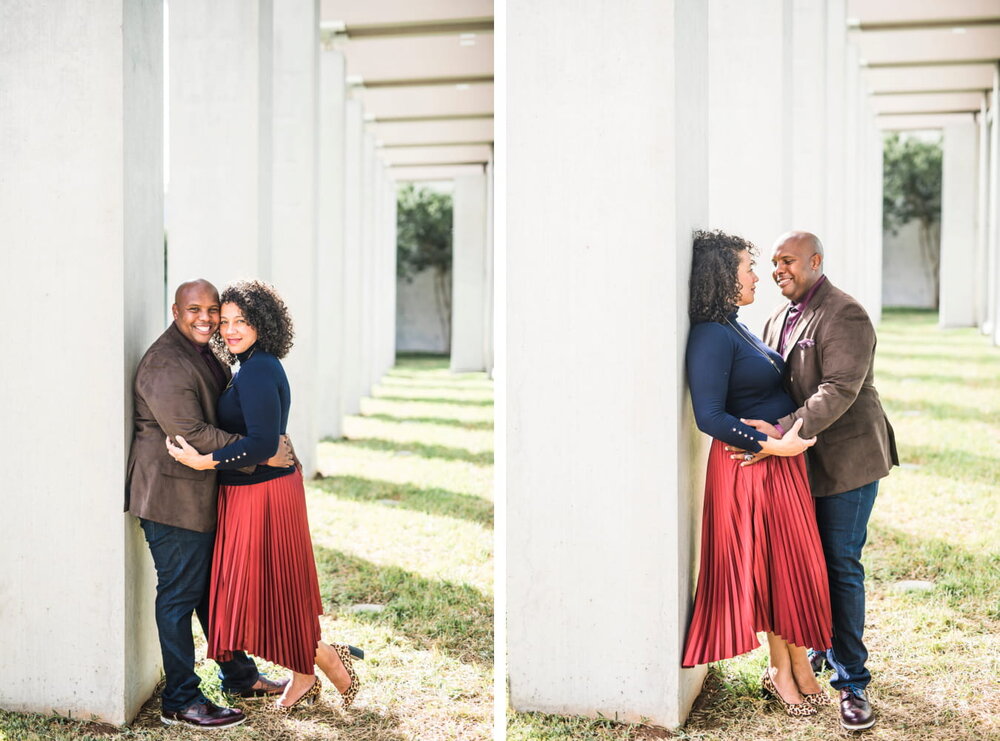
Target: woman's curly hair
x=265 y=311
x=714 y=287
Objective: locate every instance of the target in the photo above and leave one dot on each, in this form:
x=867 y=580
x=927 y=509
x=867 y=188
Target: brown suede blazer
x=829 y=373
x=175 y=394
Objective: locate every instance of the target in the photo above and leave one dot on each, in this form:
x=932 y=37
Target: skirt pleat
x=762 y=565
x=265 y=592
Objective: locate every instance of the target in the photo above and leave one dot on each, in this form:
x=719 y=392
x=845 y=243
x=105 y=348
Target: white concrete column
x=750 y=131
x=958 y=224
x=982 y=215
x=219 y=194
x=294 y=206
x=468 y=274
x=379 y=320
x=768 y=122
x=390 y=331
x=488 y=275
x=872 y=266
x=387 y=276
x=602 y=456
x=841 y=260
x=834 y=232
x=351 y=384
x=993 y=269
x=806 y=107
x=81 y=218
x=367 y=323
x=332 y=234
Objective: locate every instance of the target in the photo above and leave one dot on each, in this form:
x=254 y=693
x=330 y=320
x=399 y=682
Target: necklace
x=754 y=346
x=233 y=377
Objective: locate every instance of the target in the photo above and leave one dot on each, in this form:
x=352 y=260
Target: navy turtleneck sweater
x=255 y=405
x=732 y=374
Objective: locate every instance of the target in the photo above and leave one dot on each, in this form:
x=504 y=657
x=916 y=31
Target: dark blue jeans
x=843 y=529
x=183 y=560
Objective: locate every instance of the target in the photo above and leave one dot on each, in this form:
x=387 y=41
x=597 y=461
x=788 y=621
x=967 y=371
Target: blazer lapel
x=186 y=349
x=800 y=327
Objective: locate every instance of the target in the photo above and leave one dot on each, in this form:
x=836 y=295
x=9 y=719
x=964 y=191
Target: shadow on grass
x=408 y=496
x=436 y=400
x=942 y=411
x=960 y=465
x=465 y=424
x=935 y=357
x=440 y=452
x=967 y=381
x=456 y=619
x=967 y=582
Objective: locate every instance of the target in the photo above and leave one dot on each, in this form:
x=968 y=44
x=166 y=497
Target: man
x=828 y=343
x=177 y=384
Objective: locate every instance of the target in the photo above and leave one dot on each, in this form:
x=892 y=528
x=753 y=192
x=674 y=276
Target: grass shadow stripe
x=436 y=400
x=441 y=452
x=456 y=619
x=438 y=502
x=470 y=424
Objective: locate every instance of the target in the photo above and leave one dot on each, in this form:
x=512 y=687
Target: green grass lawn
x=935 y=655
x=401 y=518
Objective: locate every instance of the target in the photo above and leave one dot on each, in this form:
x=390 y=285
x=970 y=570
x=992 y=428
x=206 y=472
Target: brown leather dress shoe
x=263 y=687
x=203 y=714
x=856 y=712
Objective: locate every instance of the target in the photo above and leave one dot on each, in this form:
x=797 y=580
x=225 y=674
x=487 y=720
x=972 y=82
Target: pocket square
x=807 y=342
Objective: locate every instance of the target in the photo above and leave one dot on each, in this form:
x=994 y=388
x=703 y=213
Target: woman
x=264 y=593
x=762 y=566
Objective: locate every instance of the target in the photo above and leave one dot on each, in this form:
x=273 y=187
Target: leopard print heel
x=795 y=710
x=345 y=654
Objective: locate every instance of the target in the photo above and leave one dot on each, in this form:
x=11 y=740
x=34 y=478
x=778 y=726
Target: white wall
x=418 y=324
x=601 y=465
x=906 y=279
x=81 y=152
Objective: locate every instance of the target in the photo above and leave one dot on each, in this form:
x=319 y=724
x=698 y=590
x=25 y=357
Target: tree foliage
x=423 y=242
x=423 y=222
x=911 y=174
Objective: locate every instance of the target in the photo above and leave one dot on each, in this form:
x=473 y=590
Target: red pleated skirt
x=265 y=593
x=762 y=565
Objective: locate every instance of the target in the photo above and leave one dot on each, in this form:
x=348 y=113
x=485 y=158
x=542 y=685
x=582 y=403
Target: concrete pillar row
x=589 y=264
x=81 y=221
x=959 y=204
x=330 y=335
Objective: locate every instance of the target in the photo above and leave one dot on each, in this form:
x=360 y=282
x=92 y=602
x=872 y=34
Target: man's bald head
x=196 y=310
x=798 y=263
x=198 y=284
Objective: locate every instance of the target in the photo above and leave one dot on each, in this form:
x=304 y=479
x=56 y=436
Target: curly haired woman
x=762 y=565
x=265 y=593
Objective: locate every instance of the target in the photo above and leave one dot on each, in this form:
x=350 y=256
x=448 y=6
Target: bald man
x=177 y=384
x=828 y=343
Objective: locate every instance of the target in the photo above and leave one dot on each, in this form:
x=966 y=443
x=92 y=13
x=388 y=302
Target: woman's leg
x=300 y=684
x=331 y=665
x=781 y=669
x=802 y=670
